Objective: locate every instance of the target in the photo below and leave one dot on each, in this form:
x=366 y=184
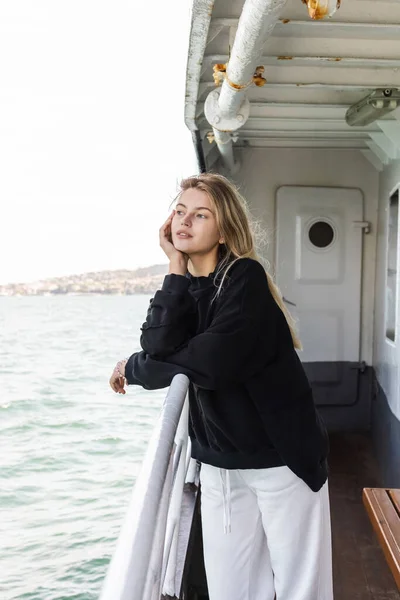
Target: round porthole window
x=321 y=234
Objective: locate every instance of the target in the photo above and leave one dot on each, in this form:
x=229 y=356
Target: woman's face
x=194 y=227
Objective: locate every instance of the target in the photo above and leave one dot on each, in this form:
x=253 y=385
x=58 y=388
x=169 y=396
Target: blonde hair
x=234 y=224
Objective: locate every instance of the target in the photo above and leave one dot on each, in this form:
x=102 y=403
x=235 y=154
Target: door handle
x=288 y=301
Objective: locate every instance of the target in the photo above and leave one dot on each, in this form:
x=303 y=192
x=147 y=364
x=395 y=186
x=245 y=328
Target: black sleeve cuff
x=178 y=284
x=129 y=370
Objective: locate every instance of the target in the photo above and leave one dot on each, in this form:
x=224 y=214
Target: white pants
x=266 y=534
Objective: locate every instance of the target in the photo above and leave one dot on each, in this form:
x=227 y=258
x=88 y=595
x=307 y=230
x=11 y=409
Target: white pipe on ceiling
x=227 y=109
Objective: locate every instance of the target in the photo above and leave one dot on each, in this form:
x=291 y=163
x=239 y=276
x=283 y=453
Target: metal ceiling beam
x=201 y=17
x=331 y=134
x=313 y=106
x=340 y=87
x=276 y=143
x=207 y=85
x=306 y=120
x=284 y=105
x=315 y=119
x=325 y=136
x=297 y=105
x=313 y=61
x=204 y=126
x=334 y=29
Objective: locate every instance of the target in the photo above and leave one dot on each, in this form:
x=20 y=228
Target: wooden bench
x=383 y=508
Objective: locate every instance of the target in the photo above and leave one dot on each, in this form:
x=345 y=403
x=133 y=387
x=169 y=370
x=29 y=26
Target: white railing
x=144 y=561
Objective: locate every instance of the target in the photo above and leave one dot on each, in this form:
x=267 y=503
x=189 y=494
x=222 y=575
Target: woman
x=220 y=320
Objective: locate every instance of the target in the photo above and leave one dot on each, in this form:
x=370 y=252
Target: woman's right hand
x=176 y=257
x=117 y=379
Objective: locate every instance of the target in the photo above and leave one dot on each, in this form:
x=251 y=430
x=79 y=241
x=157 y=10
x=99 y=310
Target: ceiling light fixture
x=373 y=107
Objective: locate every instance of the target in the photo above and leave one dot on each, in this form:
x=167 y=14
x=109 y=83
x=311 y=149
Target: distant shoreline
x=103 y=283
x=48 y=294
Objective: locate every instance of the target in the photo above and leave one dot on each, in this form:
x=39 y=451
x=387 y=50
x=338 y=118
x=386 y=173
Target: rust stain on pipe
x=316 y=11
x=258 y=78
x=220 y=74
x=237 y=86
x=219 y=67
x=284 y=57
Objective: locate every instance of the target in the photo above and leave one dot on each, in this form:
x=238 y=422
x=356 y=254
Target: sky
x=92 y=133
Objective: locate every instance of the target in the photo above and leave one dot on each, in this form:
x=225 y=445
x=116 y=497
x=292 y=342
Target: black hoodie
x=251 y=405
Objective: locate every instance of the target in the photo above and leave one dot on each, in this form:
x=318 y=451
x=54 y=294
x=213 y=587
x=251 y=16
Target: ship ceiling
x=315 y=70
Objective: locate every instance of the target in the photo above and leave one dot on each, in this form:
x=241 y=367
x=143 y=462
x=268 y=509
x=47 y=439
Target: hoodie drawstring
x=226 y=498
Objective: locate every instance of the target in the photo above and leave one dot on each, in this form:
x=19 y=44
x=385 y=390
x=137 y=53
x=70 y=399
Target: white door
x=318 y=269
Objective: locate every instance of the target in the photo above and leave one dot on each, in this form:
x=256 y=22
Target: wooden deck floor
x=359 y=568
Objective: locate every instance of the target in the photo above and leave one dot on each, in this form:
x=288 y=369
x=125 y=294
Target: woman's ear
x=221 y=241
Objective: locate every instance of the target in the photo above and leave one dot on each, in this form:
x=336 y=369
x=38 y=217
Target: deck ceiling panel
x=333 y=48
x=357 y=11
x=314 y=61
x=302 y=143
x=310 y=132
x=271 y=112
x=321 y=41
x=324 y=30
x=366 y=72
x=314 y=72
x=294 y=125
x=336 y=30
x=300 y=93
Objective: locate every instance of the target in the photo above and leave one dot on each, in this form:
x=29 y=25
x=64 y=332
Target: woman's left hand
x=117 y=379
